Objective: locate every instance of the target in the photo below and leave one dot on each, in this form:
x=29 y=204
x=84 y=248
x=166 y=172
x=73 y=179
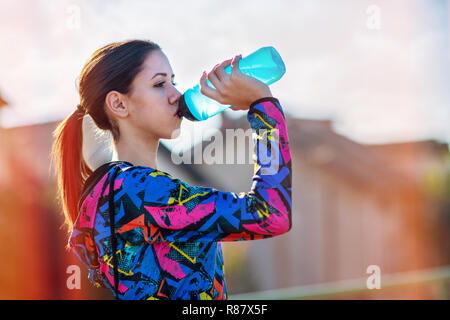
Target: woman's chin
x=174 y=134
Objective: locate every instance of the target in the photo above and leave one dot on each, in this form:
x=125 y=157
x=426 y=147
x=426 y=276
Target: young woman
x=141 y=232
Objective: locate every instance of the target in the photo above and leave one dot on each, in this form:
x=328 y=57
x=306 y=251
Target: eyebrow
x=162 y=74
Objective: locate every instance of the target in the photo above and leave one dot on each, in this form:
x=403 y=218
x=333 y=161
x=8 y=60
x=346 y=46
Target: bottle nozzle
x=183 y=110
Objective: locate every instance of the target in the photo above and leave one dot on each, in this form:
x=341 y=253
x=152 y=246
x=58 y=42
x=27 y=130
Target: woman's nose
x=174 y=96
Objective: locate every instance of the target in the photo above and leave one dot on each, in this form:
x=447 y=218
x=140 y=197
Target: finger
x=223 y=63
x=219 y=69
x=212 y=77
x=235 y=64
x=205 y=89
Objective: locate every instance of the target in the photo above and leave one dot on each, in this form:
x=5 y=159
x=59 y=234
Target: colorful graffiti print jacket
x=168 y=232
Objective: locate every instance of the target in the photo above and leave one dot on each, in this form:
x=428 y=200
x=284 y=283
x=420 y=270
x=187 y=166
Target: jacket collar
x=95 y=177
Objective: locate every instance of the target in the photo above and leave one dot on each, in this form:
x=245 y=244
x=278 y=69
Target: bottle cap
x=183 y=110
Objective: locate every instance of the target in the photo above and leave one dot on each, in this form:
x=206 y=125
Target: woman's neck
x=137 y=151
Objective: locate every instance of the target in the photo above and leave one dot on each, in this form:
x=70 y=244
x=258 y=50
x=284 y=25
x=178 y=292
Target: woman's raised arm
x=157 y=207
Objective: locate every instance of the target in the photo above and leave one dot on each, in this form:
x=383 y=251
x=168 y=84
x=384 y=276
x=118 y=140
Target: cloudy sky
x=378 y=69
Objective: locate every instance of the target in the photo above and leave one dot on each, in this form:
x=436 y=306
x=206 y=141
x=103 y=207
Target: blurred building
x=353 y=206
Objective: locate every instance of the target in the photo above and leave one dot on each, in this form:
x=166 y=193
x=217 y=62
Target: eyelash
x=160 y=85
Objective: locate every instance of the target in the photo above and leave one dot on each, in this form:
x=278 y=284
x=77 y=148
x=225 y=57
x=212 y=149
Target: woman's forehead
x=156 y=62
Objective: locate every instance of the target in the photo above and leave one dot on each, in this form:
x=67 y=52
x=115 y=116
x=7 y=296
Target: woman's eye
x=161 y=84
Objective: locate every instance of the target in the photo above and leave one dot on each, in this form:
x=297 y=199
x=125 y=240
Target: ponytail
x=112 y=67
x=72 y=169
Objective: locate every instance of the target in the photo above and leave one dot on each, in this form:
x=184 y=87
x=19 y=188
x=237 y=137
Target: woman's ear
x=114 y=102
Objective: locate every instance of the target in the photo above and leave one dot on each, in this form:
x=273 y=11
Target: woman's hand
x=236 y=88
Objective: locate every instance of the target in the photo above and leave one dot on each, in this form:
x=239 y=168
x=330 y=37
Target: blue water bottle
x=265 y=64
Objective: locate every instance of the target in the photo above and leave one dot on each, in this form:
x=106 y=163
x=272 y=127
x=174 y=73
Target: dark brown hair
x=112 y=67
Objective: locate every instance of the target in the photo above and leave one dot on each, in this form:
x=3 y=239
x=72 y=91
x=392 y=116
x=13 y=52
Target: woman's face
x=152 y=102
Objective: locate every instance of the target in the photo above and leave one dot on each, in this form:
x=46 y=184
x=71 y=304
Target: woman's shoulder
x=134 y=178
x=99 y=175
x=128 y=169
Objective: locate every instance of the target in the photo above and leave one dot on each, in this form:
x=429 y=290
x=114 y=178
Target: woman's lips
x=178 y=113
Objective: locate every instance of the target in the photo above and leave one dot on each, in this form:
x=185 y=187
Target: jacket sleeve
x=153 y=204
